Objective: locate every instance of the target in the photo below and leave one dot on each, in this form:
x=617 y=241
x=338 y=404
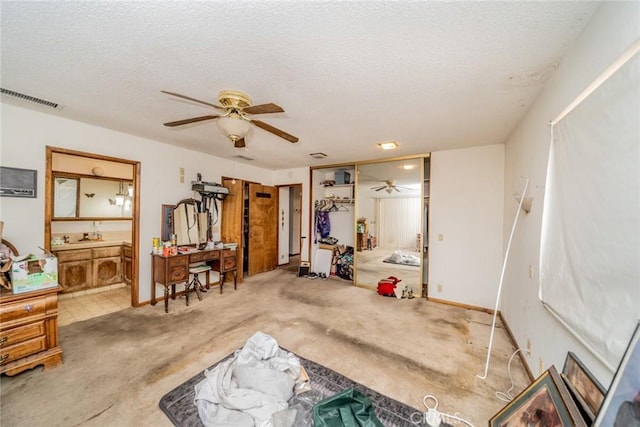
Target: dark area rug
x=178 y=404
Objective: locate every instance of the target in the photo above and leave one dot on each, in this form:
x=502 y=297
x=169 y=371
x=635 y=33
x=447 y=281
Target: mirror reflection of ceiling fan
x=389 y=186
x=234 y=119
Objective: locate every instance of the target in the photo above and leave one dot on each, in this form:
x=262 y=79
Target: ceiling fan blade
x=263 y=108
x=396 y=188
x=378 y=188
x=275 y=131
x=239 y=143
x=193 y=99
x=192 y=120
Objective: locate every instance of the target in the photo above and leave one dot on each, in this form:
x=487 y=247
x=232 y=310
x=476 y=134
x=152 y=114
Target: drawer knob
x=28 y=308
x=3 y=340
x=3 y=358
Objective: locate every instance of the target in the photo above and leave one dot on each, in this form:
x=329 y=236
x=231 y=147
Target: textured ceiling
x=429 y=75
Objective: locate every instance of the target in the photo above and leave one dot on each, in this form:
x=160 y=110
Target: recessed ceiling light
x=388 y=145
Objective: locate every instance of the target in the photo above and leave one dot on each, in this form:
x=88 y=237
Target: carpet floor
x=118 y=366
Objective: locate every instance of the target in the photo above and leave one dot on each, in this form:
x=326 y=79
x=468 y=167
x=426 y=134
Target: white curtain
x=590 y=247
x=398 y=222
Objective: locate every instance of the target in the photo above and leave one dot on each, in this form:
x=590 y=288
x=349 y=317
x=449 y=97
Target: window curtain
x=590 y=244
x=398 y=222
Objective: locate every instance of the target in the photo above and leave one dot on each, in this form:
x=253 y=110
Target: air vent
x=240 y=156
x=29 y=98
x=318 y=155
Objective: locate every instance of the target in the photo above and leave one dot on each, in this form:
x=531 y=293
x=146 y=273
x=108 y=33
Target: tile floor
x=86 y=305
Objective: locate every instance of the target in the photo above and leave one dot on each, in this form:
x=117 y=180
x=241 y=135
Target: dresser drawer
x=177 y=261
x=107 y=252
x=22 y=309
x=230 y=262
x=23 y=349
x=178 y=273
x=73 y=255
x=21 y=333
x=204 y=256
x=126 y=251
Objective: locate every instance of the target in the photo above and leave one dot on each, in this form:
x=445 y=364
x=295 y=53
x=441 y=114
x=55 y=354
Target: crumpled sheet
x=249 y=388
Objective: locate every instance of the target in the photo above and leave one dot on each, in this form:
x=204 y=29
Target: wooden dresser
x=29 y=330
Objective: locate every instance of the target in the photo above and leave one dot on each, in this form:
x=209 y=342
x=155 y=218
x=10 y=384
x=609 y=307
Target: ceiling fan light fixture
x=391 y=145
x=233 y=125
x=388 y=190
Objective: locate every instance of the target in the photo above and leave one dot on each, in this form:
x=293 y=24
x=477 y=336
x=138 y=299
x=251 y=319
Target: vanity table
x=174 y=269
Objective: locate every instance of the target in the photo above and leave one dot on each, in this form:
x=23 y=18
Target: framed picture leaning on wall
x=584 y=387
x=545 y=402
x=621 y=406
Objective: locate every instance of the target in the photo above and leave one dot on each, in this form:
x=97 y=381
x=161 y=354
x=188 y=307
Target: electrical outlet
x=439 y=287
x=528 y=347
x=440 y=237
x=530 y=271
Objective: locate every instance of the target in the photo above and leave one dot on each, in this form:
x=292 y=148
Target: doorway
x=110 y=266
x=249 y=218
x=289 y=226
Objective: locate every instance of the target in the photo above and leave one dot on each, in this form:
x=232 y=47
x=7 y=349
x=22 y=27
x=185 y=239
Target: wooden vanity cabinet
x=82 y=269
x=107 y=266
x=127 y=264
x=75 y=269
x=29 y=330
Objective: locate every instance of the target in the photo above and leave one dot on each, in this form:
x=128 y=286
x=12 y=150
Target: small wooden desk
x=173 y=269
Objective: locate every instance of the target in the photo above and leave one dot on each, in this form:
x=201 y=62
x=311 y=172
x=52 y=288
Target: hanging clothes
x=323 y=225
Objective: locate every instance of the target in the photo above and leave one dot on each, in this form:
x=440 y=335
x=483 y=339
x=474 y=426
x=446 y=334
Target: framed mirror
x=190 y=225
x=77 y=197
x=389 y=222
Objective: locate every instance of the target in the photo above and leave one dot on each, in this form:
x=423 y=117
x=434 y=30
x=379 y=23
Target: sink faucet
x=66 y=238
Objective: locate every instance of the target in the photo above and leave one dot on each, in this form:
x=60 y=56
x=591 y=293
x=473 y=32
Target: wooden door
x=232 y=215
x=263 y=228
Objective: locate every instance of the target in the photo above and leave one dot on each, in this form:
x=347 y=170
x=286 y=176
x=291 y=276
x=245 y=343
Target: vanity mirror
x=389 y=223
x=77 y=197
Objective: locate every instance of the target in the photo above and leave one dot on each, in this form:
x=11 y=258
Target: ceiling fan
x=389 y=186
x=234 y=118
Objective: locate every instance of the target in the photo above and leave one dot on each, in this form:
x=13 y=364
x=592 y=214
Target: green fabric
x=349 y=408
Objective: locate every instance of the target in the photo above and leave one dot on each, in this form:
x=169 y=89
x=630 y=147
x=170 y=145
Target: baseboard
x=461 y=305
x=515 y=344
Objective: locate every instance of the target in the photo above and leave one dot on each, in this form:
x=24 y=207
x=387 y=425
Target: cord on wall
x=504 y=267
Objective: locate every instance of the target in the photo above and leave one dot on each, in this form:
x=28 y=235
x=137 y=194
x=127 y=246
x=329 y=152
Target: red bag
x=386 y=286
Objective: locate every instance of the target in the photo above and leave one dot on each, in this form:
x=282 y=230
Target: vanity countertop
x=89 y=244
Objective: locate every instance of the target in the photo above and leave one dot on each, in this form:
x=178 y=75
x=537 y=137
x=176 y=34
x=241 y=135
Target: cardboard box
x=34 y=273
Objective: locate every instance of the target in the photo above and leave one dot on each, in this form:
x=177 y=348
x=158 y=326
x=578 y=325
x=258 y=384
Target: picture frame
x=167 y=221
x=624 y=393
x=585 y=388
x=545 y=402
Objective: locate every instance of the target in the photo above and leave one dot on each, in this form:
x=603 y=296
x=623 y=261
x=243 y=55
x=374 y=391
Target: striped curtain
x=398 y=222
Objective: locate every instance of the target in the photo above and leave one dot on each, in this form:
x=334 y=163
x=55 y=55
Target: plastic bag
x=349 y=408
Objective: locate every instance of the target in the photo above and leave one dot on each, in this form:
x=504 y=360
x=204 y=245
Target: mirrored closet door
x=389 y=223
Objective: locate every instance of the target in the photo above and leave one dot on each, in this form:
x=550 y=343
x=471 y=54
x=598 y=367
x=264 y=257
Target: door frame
x=135 y=226
x=288 y=223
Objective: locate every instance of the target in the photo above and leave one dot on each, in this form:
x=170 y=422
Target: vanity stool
x=195 y=284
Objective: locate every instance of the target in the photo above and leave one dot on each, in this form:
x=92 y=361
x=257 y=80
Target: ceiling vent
x=29 y=98
x=318 y=155
x=240 y=156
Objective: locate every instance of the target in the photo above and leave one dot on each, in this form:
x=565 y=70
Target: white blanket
x=249 y=388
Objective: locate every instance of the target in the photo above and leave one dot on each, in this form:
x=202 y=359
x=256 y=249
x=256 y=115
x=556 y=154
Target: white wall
x=612 y=29
x=25 y=133
x=466 y=211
